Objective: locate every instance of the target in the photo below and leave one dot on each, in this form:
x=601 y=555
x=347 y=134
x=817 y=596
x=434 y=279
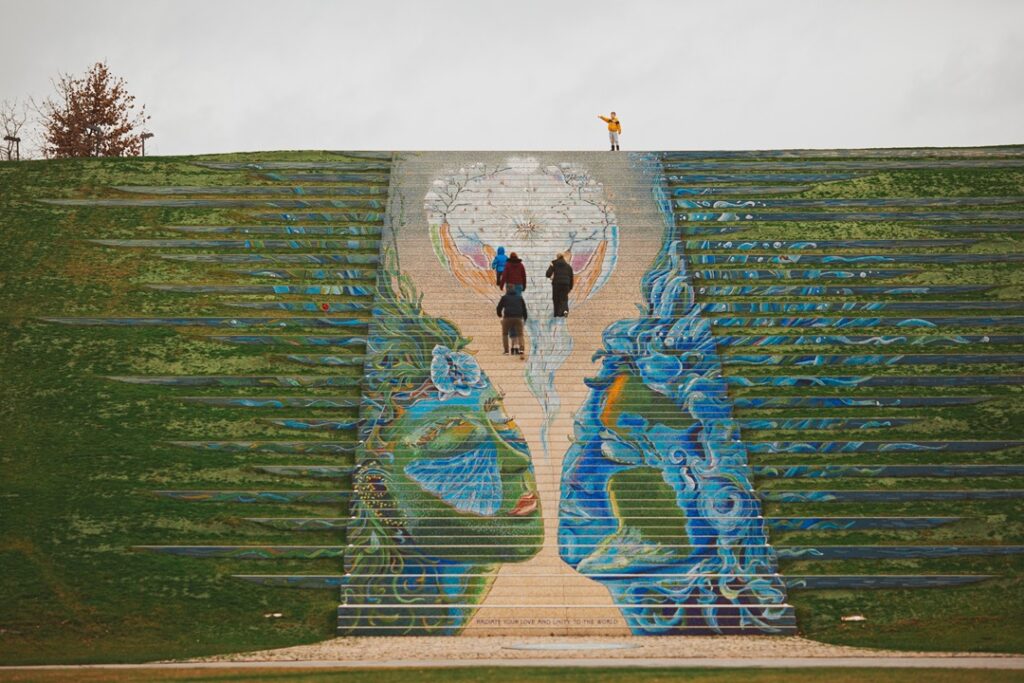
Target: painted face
x=461 y=470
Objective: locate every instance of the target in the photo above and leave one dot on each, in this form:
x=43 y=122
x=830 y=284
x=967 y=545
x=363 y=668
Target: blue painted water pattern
x=850 y=306
x=288 y=447
x=825 y=245
x=311 y=190
x=304 y=274
x=335 y=361
x=368 y=179
x=289 y=322
x=240 y=380
x=876 y=471
x=846 y=216
x=868 y=360
x=809 y=274
x=744 y=204
x=300 y=306
x=867 y=340
x=240 y=244
x=243 y=552
x=312 y=424
x=834 y=290
x=782 y=177
x=994 y=152
x=757 y=402
x=696 y=229
x=322 y=217
x=304 y=497
x=670 y=353
x=698 y=191
x=306 y=471
x=869 y=321
x=273 y=258
x=286 y=340
x=806 y=447
x=791 y=524
x=857 y=259
x=887 y=581
x=822 y=423
x=351 y=230
x=173 y=203
x=310 y=290
x=851 y=381
x=895 y=552
x=381 y=164
x=279 y=402
x=861 y=165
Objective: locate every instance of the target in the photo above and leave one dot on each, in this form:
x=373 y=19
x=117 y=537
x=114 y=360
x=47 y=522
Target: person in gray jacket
x=512 y=311
x=561 y=276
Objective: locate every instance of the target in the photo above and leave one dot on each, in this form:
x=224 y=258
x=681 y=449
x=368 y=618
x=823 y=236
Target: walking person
x=512 y=311
x=561 y=276
x=498 y=265
x=614 y=129
x=515 y=274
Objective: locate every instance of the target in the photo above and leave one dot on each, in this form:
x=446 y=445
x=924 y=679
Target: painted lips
x=525 y=505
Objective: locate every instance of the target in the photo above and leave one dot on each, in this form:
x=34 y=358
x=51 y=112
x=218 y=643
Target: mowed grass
x=530 y=674
x=81 y=455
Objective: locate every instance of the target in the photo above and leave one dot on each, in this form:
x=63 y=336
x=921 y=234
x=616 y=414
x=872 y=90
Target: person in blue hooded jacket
x=498 y=265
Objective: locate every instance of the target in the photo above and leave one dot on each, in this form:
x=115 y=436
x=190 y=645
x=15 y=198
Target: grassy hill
x=82 y=455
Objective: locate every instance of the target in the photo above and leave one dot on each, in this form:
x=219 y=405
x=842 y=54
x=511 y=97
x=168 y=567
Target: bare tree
x=93 y=116
x=12 y=120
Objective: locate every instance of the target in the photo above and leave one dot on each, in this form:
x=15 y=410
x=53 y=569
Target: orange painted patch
x=588 y=275
x=612 y=397
x=463 y=268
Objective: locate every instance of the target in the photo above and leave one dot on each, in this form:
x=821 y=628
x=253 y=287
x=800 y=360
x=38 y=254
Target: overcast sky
x=225 y=75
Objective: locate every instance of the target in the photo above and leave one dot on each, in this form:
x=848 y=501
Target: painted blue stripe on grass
x=779 y=402
x=874 y=471
x=877 y=381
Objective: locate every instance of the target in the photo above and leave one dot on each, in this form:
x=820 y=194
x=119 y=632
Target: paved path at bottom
x=599 y=652
x=628 y=651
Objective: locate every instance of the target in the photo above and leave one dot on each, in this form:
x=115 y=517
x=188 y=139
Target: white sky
x=226 y=75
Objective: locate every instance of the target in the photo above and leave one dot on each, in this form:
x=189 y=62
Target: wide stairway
x=782 y=374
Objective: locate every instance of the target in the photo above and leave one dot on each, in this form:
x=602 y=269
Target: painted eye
x=498 y=417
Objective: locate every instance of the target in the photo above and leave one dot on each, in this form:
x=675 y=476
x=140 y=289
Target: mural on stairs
x=542 y=210
x=656 y=499
x=443 y=491
x=443 y=487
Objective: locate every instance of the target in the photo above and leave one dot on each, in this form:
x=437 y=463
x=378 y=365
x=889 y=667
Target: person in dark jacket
x=560 y=274
x=512 y=311
x=515 y=274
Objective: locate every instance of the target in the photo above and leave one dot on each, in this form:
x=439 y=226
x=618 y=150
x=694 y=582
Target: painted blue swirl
x=721 y=576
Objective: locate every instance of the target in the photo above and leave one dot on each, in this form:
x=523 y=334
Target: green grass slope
x=81 y=455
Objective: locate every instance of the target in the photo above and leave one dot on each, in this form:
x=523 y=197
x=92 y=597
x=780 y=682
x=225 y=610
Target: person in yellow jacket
x=614 y=129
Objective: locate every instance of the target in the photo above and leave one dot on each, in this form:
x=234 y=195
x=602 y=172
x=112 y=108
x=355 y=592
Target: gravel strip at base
x=410 y=648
